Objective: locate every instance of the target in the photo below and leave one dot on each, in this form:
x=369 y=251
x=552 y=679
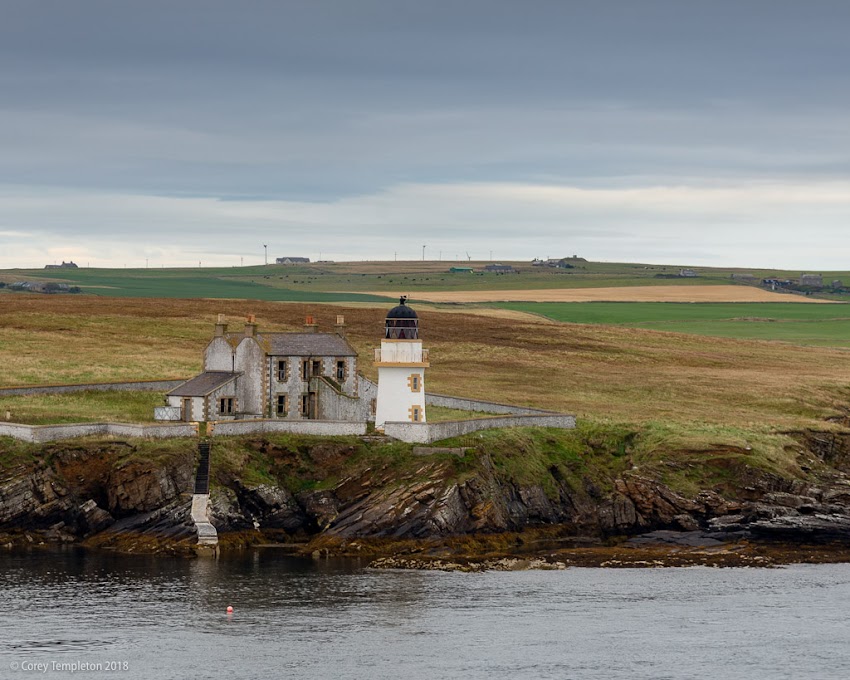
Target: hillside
x=600 y=372
x=348 y=281
x=676 y=431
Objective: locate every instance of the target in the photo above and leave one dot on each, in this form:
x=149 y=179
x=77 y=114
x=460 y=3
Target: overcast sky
x=670 y=131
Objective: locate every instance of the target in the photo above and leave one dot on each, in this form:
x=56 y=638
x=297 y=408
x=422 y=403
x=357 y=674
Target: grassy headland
x=612 y=373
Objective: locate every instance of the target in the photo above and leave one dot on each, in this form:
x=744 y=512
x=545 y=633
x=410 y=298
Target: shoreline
x=654 y=550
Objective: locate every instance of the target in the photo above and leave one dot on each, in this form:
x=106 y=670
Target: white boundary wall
x=514 y=416
x=369 y=389
x=49 y=433
x=425 y=433
x=224 y=428
x=463 y=404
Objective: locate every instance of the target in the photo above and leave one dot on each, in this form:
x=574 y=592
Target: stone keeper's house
x=273 y=375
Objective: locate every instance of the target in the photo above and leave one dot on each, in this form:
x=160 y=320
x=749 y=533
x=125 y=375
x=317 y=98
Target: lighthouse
x=401 y=364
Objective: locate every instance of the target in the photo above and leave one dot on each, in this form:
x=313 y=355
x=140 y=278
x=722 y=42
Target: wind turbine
x=266 y=248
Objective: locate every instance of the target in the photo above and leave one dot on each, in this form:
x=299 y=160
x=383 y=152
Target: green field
x=348 y=281
x=83 y=407
x=824 y=325
x=253 y=283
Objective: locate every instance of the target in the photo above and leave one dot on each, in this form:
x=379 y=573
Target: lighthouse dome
x=402 y=322
x=401 y=311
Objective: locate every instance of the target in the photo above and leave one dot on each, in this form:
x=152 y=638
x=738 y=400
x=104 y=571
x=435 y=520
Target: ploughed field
x=599 y=372
x=670 y=293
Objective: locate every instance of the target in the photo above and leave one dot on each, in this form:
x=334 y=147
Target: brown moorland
x=599 y=372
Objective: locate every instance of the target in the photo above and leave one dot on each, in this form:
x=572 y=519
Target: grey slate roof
x=306 y=345
x=201 y=385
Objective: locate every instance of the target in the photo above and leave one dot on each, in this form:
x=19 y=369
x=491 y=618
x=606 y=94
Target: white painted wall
x=401 y=351
x=251 y=387
x=431 y=432
x=395 y=396
x=48 y=433
x=218 y=355
x=309 y=427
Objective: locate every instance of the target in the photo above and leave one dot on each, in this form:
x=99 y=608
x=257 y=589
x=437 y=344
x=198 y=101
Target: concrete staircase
x=207 y=535
x=202 y=476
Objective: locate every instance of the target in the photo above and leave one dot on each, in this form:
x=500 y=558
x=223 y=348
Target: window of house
x=225 y=406
x=317 y=367
x=340 y=370
x=305 y=369
x=305 y=405
x=281 y=404
x=281 y=370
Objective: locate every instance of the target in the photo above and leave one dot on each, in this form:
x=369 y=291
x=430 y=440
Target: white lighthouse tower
x=401 y=363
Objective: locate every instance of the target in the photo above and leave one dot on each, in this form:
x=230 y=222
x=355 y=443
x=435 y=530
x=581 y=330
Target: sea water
x=82 y=614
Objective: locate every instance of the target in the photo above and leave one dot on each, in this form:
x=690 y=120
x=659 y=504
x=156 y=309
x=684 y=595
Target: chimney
x=251 y=326
x=310 y=325
x=220 y=326
x=340 y=325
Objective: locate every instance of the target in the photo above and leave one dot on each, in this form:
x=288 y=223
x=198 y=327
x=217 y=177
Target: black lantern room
x=402 y=322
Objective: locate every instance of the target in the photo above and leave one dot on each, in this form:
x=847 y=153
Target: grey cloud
x=327 y=101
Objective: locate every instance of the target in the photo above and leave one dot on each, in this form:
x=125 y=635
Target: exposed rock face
x=100 y=490
x=142 y=486
x=38 y=497
x=268 y=506
x=82 y=491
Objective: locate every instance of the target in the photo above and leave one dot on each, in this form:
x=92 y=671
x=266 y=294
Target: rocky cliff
x=582 y=485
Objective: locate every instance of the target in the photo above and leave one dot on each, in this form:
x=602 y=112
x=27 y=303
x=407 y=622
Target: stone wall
x=320 y=428
x=424 y=433
x=462 y=404
x=368 y=392
x=49 y=433
x=135 y=386
x=336 y=405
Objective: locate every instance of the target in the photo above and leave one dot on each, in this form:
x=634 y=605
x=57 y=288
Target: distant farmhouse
x=42 y=287
x=64 y=265
x=776 y=284
x=807 y=284
x=557 y=263
x=500 y=269
x=292 y=260
x=687 y=273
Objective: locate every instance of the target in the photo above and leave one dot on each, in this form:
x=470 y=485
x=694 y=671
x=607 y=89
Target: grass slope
x=600 y=372
x=90 y=406
x=191 y=283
